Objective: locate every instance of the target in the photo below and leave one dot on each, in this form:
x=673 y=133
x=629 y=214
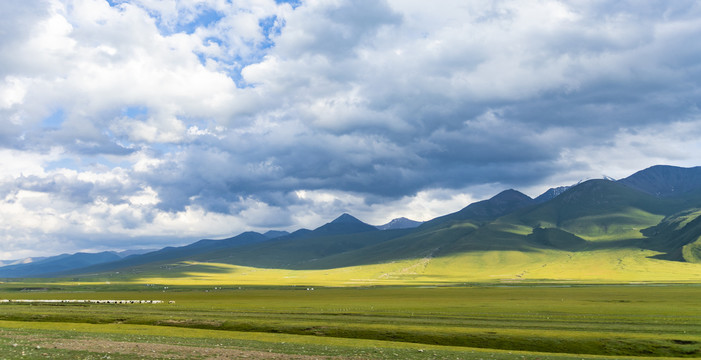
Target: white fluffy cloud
x=139 y=123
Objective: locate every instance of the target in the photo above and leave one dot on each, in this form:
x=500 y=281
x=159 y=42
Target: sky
x=131 y=124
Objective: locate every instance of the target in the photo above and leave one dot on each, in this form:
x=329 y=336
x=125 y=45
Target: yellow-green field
x=469 y=322
x=599 y=266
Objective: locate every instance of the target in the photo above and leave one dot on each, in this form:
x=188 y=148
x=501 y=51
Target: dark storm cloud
x=76 y=190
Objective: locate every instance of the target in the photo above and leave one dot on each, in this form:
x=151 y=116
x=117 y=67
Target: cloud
x=146 y=122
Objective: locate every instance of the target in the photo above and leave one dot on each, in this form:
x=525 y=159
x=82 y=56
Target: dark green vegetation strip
x=42 y=344
x=655 y=321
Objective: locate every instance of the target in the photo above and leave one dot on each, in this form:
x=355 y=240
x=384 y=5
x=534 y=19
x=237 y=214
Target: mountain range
x=647 y=225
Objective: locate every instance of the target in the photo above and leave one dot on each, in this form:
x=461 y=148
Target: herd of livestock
x=88 y=301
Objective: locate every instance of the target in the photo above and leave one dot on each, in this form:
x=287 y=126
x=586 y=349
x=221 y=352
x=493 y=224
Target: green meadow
x=451 y=322
x=604 y=265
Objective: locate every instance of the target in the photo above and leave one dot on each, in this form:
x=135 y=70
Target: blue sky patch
x=63 y=163
x=55 y=120
x=271 y=28
x=135 y=111
x=205 y=18
x=294 y=3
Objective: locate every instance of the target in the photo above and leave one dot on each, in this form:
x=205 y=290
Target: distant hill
x=46 y=266
x=20 y=261
x=169 y=253
x=665 y=181
x=301 y=249
x=344 y=224
x=400 y=223
x=501 y=204
x=270 y=249
x=55 y=264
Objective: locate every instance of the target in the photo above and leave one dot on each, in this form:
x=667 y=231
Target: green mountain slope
x=598 y=210
x=594 y=209
x=58 y=263
x=413 y=244
x=294 y=253
x=501 y=204
x=595 y=215
x=557 y=239
x=343 y=234
x=171 y=254
x=598 y=230
x=297 y=250
x=691 y=252
x=665 y=181
x=677 y=236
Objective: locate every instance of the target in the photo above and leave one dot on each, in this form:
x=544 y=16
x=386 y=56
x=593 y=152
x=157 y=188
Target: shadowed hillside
x=56 y=264
x=665 y=181
x=171 y=254
x=501 y=204
x=678 y=236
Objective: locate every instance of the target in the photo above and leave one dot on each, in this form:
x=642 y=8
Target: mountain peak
x=345 y=218
x=551 y=194
x=501 y=204
x=665 y=180
x=510 y=195
x=400 y=223
x=344 y=224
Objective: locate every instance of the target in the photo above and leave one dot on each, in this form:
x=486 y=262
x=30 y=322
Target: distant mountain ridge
x=54 y=264
x=172 y=253
x=45 y=266
x=654 y=209
x=20 y=261
x=345 y=224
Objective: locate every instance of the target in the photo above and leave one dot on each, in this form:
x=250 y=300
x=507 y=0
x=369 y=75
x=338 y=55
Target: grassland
x=468 y=322
x=605 y=265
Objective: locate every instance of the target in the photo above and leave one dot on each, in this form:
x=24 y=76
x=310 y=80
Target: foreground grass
x=42 y=340
x=487 y=322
